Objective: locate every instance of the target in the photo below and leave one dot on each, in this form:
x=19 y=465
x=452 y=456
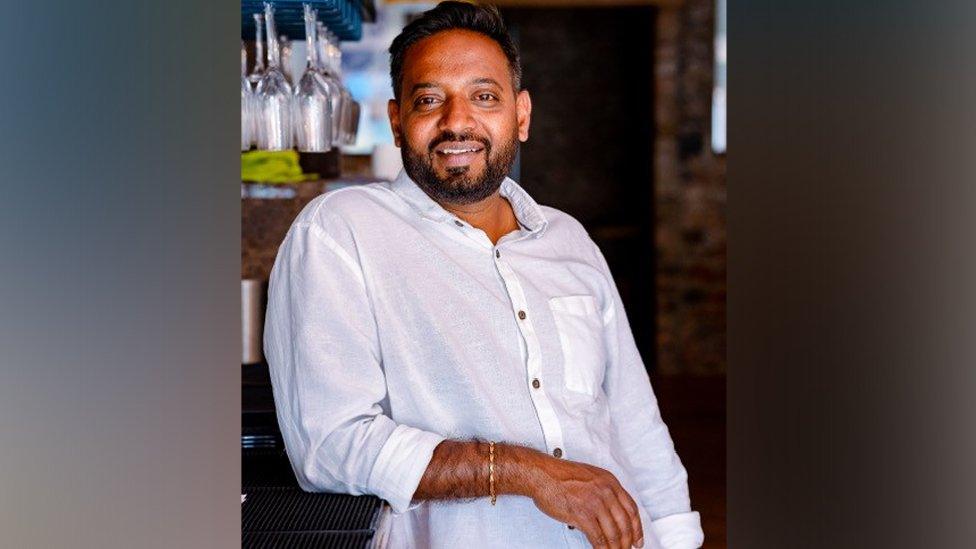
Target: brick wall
x=690 y=196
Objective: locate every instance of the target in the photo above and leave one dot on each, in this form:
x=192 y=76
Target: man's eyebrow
x=486 y=81
x=422 y=86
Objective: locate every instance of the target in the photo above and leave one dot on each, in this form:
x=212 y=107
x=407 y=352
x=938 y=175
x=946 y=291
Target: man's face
x=459 y=120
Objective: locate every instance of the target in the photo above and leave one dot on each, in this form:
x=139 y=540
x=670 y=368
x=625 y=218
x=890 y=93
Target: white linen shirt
x=393 y=324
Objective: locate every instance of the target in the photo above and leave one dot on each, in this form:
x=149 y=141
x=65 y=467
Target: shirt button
x=558 y=452
x=521 y=315
x=536 y=384
x=497 y=253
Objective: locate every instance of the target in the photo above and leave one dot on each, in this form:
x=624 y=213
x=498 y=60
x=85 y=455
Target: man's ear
x=523 y=112
x=393 y=110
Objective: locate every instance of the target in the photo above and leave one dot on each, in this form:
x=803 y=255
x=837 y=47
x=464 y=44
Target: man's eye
x=486 y=97
x=425 y=101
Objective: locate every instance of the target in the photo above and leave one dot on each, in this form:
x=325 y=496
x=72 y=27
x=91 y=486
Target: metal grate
x=302 y=540
x=292 y=510
x=277 y=513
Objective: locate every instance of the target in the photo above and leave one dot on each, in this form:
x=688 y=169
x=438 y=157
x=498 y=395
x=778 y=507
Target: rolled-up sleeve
x=661 y=478
x=323 y=353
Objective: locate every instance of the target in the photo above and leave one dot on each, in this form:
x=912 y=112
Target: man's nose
x=457 y=116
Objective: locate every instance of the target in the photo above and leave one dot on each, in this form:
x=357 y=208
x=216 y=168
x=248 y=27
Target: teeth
x=458 y=151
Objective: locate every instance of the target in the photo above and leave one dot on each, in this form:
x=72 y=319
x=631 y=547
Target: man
x=448 y=344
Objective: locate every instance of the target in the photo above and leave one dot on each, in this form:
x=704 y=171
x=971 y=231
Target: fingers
x=613 y=521
x=622 y=521
x=594 y=534
x=623 y=528
x=633 y=517
x=608 y=524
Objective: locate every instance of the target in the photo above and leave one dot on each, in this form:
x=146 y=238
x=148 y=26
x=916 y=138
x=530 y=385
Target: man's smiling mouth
x=459 y=147
x=455 y=154
x=458 y=151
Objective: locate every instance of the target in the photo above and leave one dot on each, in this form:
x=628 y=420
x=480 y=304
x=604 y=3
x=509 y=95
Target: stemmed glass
x=352 y=129
x=274 y=96
x=284 y=46
x=247 y=104
x=258 y=71
x=350 y=114
x=313 y=98
x=331 y=77
x=350 y=108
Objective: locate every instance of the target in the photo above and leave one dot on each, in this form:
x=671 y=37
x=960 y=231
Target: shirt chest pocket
x=580 y=328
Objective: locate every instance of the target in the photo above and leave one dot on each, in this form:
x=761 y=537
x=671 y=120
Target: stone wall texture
x=690 y=196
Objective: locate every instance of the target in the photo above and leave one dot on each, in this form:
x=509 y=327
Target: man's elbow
x=339 y=462
x=313 y=477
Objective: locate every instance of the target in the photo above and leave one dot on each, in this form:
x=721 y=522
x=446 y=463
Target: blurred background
x=628 y=136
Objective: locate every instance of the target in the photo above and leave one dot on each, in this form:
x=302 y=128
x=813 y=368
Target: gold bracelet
x=491 y=471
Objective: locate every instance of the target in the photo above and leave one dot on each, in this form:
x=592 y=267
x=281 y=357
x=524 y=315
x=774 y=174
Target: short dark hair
x=454 y=15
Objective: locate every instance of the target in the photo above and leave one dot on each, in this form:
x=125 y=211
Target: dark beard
x=459 y=187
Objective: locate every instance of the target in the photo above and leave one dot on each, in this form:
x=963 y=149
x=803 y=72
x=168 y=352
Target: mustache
x=448 y=136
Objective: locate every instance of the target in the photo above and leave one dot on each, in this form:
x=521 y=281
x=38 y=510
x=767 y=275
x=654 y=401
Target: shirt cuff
x=679 y=531
x=400 y=465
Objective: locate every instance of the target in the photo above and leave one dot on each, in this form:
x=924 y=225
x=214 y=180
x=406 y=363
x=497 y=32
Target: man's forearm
x=576 y=494
x=459 y=469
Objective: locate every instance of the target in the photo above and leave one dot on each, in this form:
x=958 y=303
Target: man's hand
x=588 y=498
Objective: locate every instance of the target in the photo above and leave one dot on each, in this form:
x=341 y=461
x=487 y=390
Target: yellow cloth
x=272 y=167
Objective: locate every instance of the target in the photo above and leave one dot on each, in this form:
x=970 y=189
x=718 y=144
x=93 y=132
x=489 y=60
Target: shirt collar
x=527 y=211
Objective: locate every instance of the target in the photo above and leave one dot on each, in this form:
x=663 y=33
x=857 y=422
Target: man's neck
x=493 y=215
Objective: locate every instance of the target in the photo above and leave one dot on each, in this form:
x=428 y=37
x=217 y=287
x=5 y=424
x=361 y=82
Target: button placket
x=551 y=428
